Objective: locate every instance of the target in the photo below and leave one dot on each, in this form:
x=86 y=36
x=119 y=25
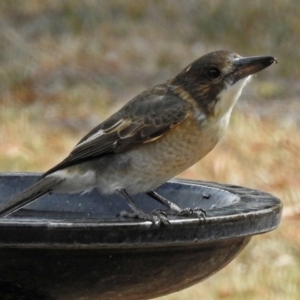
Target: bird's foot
x=156 y=217
x=175 y=210
x=196 y=212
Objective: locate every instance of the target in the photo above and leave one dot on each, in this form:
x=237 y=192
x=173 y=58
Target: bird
x=155 y=136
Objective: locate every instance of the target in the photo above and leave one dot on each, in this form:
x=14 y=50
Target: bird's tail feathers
x=40 y=188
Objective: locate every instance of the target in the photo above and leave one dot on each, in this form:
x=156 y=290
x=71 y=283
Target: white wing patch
x=115 y=127
x=92 y=137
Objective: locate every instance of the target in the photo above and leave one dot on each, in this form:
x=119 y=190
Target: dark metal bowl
x=73 y=247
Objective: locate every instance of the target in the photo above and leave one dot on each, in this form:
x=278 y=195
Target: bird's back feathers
x=144 y=119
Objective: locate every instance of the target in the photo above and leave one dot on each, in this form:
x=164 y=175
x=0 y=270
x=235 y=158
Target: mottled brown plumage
x=159 y=109
x=155 y=136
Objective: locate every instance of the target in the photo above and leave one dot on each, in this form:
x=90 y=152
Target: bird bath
x=64 y=247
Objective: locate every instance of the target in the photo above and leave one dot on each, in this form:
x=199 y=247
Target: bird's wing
x=144 y=119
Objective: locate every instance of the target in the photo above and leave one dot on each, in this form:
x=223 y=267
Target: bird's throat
x=228 y=97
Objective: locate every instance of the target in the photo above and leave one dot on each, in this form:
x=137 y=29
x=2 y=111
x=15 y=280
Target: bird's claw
x=189 y=212
x=193 y=212
x=156 y=217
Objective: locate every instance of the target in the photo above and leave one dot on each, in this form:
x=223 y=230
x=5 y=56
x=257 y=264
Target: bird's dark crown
x=207 y=76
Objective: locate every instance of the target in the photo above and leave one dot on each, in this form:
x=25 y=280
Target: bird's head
x=215 y=80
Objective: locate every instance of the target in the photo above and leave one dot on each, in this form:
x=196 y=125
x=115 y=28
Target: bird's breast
x=149 y=165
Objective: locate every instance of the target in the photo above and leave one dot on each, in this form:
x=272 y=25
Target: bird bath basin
x=66 y=247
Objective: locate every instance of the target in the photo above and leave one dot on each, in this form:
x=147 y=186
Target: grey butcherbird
x=155 y=136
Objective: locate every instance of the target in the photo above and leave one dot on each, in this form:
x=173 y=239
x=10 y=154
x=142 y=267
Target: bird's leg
x=137 y=213
x=173 y=209
x=172 y=206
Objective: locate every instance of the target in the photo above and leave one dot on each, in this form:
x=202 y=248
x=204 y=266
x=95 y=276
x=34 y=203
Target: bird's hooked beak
x=245 y=66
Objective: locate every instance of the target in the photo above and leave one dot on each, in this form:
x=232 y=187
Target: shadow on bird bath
x=73 y=247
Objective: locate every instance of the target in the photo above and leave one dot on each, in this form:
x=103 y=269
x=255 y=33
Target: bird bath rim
x=55 y=254
x=245 y=212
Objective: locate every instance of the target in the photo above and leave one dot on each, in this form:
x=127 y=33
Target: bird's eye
x=214 y=73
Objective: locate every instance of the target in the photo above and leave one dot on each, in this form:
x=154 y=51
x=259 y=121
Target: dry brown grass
x=66 y=65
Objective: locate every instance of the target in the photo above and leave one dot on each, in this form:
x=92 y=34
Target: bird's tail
x=40 y=188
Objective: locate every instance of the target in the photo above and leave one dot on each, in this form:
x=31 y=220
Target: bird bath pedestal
x=64 y=247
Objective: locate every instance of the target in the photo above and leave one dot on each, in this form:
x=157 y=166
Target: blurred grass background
x=66 y=65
